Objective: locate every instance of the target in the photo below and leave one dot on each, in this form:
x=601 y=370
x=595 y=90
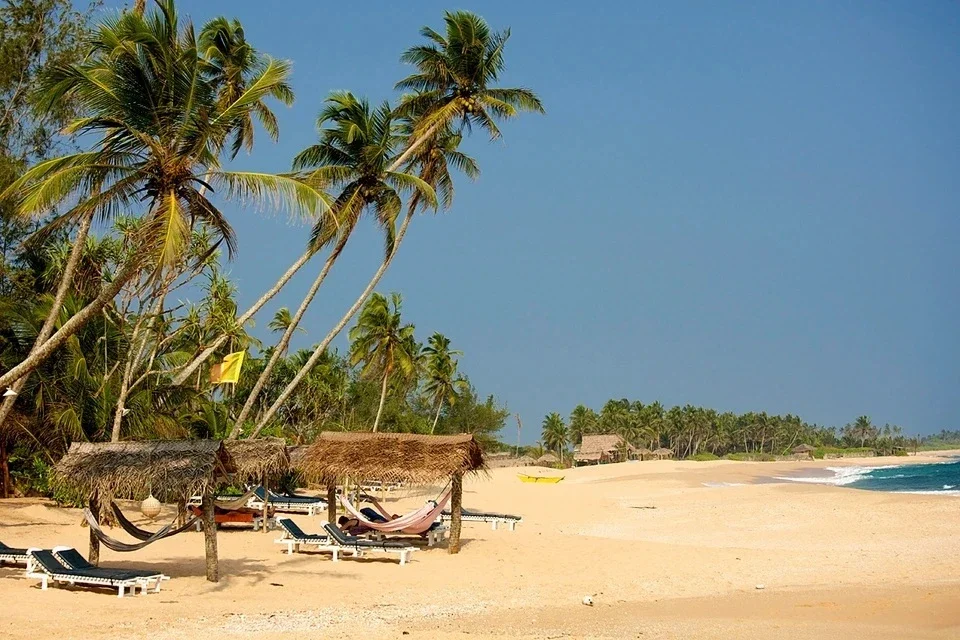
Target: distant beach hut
x=393 y=457
x=548 y=459
x=603 y=448
x=525 y=461
x=643 y=451
x=663 y=452
x=804 y=450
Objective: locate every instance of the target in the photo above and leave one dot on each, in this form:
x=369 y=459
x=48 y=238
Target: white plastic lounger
x=360 y=546
x=493 y=518
x=289 y=504
x=13 y=556
x=434 y=535
x=72 y=559
x=45 y=567
x=293 y=537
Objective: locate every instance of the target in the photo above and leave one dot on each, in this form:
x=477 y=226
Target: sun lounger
x=47 y=568
x=360 y=546
x=290 y=504
x=72 y=559
x=294 y=536
x=479 y=516
x=13 y=556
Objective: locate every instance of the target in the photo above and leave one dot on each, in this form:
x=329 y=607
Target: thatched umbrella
x=171 y=470
x=643 y=451
x=259 y=460
x=393 y=457
x=663 y=452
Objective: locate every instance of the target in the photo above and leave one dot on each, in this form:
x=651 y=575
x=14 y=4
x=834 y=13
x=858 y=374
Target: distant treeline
x=689 y=430
x=941 y=440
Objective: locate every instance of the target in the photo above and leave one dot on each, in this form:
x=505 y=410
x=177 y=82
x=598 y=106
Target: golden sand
x=661 y=555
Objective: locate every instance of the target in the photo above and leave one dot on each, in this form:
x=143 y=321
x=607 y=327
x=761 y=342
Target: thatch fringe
x=260 y=458
x=388 y=457
x=169 y=469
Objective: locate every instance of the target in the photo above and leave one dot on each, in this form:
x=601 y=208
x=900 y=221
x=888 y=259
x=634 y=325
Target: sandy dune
x=662 y=555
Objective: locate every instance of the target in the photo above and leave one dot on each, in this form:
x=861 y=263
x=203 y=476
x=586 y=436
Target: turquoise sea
x=936 y=478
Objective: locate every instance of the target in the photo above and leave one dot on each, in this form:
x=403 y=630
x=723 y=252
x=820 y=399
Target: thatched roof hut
x=259 y=458
x=598 y=448
x=525 y=460
x=394 y=457
x=804 y=451
x=389 y=457
x=548 y=458
x=170 y=469
x=663 y=452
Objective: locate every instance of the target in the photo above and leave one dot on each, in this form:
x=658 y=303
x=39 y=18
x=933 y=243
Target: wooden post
x=210 y=534
x=332 y=504
x=93 y=556
x=4 y=462
x=266 y=501
x=455 y=513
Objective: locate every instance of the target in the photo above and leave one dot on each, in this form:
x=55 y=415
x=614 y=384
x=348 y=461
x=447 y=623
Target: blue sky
x=747 y=206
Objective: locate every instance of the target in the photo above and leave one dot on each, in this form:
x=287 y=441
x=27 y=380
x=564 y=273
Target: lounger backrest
x=73 y=559
x=260 y=493
x=47 y=561
x=335 y=533
x=372 y=515
x=291 y=527
x=3 y=547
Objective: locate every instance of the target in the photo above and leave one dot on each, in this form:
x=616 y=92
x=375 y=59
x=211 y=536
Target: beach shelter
x=663 y=452
x=548 y=459
x=600 y=448
x=259 y=461
x=170 y=470
x=412 y=459
x=804 y=449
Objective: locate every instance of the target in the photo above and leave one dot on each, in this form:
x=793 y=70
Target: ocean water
x=937 y=478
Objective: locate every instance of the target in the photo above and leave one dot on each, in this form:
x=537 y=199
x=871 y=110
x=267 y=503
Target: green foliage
x=704 y=456
x=751 y=457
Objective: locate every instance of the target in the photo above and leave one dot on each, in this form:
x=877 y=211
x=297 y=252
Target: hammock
x=116 y=545
x=234 y=503
x=414 y=522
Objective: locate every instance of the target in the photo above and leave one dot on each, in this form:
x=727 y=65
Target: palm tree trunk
x=315 y=356
x=285 y=339
x=66 y=282
x=5 y=468
x=202 y=357
x=436 y=418
x=383 y=398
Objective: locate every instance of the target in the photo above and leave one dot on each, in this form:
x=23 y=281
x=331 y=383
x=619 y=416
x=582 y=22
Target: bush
x=853 y=452
x=751 y=457
x=704 y=457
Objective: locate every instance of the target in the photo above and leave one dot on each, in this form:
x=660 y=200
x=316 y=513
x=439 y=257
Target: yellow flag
x=228 y=370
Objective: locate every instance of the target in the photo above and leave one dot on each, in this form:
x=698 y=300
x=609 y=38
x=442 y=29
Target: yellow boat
x=545 y=479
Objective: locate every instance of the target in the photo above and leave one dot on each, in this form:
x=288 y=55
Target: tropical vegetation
x=116 y=131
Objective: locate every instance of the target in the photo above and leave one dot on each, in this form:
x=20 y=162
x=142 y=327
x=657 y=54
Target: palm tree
x=455 y=78
x=432 y=162
x=161 y=131
x=281 y=323
x=555 y=434
x=863 y=430
x=230 y=64
x=582 y=421
x=382 y=343
x=440 y=364
x=356 y=145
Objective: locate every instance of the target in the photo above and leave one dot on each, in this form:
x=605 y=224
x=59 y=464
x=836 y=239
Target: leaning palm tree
x=158 y=132
x=356 y=146
x=555 y=434
x=454 y=84
x=454 y=87
x=440 y=365
x=382 y=344
x=432 y=163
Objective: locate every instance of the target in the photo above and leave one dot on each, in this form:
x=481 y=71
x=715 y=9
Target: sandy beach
x=661 y=554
